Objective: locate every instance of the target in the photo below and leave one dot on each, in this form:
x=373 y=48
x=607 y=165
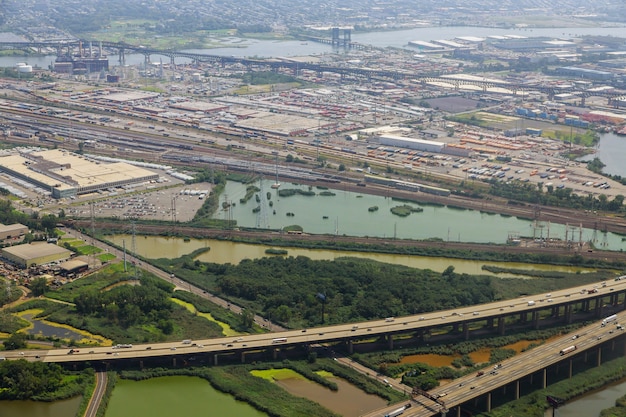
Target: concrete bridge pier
x=501 y=326
x=121 y=56
x=390 y=341
x=544 y=383
x=215 y=361
x=174 y=361
x=465 y=331
x=571 y=369
x=535 y=320
x=523 y=317
x=488 y=402
x=567 y=313
x=517 y=389
x=599 y=361
x=350 y=347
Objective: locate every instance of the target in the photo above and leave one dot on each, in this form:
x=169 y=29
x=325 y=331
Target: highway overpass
x=591 y=301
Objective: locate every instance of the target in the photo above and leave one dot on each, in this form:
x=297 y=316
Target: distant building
x=80 y=65
x=35 y=254
x=12 y=233
x=412 y=143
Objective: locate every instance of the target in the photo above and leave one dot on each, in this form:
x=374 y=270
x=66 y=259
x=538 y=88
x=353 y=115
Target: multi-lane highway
x=345 y=332
x=539 y=358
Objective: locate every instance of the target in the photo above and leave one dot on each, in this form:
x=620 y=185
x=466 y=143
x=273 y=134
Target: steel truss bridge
x=65 y=48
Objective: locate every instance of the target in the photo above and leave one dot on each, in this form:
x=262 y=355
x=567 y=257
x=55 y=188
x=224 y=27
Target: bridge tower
x=121 y=56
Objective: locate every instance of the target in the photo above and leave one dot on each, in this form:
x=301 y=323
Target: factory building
x=65 y=174
x=80 y=65
x=73 y=267
x=411 y=143
x=12 y=233
x=35 y=254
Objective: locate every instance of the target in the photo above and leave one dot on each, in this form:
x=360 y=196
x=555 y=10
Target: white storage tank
x=23 y=68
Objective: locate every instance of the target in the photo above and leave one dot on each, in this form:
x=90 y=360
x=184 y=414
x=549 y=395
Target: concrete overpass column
x=544 y=384
x=458 y=411
x=598 y=307
x=274 y=354
x=174 y=362
x=350 y=347
x=571 y=368
x=455 y=328
x=535 y=320
x=555 y=312
x=517 y=390
x=215 y=363
x=599 y=356
x=390 y=340
x=243 y=357
x=488 y=402
x=501 y=326
x=568 y=313
x=141 y=364
x=465 y=331
x=490 y=322
x=523 y=317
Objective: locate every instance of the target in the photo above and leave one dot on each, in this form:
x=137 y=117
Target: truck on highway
x=567 y=350
x=531 y=303
x=279 y=340
x=398 y=411
x=609 y=319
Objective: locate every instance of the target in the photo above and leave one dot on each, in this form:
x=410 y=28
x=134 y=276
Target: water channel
x=222 y=252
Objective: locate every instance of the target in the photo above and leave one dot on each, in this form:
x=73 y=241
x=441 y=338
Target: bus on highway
x=279 y=340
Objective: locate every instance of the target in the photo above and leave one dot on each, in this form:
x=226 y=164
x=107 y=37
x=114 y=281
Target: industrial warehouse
x=65 y=174
x=35 y=254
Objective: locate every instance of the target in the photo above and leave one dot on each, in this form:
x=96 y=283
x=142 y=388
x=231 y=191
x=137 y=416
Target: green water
x=65 y=408
x=174 y=396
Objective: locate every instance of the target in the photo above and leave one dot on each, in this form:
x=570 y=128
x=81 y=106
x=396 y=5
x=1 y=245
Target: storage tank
x=23 y=68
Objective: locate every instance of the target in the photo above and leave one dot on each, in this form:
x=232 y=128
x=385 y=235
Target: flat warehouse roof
x=35 y=250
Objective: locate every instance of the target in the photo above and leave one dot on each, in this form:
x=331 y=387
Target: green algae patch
x=226 y=329
x=325 y=374
x=276 y=374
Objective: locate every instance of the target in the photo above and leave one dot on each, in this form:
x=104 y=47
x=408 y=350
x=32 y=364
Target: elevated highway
x=540 y=366
x=559 y=306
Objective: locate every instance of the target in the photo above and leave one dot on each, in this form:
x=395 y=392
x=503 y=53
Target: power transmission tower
x=133 y=249
x=261 y=216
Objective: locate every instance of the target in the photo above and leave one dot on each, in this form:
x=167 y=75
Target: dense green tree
x=15 y=341
x=22 y=379
x=39 y=286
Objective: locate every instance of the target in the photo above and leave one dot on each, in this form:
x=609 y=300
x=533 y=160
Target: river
x=398 y=39
x=610 y=150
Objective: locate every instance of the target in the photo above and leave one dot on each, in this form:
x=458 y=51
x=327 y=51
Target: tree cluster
x=127 y=305
x=296 y=289
x=21 y=379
